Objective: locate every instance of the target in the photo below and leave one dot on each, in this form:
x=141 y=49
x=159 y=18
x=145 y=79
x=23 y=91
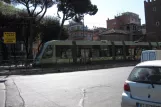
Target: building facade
x=124 y=27
x=125 y=21
x=115 y=35
x=79 y=32
x=97 y=32
x=153 y=19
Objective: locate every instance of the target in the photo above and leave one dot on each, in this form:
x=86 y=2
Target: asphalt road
x=2 y=94
x=96 y=88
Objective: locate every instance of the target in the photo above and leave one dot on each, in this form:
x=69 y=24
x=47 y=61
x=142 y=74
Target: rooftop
x=115 y=31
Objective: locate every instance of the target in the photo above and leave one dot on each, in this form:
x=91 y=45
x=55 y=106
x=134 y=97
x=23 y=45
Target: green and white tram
x=82 y=51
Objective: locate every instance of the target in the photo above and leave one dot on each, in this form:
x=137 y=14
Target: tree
x=49 y=30
x=74 y=9
x=32 y=7
x=36 y=9
x=6 y=1
x=7 y=16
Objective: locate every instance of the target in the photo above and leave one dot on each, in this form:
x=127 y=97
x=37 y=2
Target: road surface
x=95 y=88
x=2 y=93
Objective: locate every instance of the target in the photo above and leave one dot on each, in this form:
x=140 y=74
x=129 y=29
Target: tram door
x=85 y=53
x=132 y=53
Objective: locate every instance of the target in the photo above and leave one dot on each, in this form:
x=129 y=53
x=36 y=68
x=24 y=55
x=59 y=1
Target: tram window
x=104 y=51
x=48 y=52
x=58 y=51
x=95 y=53
x=63 y=51
x=79 y=52
x=96 y=50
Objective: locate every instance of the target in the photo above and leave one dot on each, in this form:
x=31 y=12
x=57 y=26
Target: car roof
x=155 y=63
x=150 y=50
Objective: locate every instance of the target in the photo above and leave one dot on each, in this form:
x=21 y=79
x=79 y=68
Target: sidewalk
x=2 y=93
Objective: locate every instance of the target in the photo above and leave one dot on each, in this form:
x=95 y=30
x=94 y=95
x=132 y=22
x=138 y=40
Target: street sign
x=9 y=37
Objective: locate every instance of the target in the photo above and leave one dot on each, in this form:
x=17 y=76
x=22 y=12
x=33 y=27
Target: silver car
x=143 y=86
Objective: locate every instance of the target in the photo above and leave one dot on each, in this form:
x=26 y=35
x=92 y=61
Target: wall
x=153 y=16
x=125 y=18
x=115 y=37
x=113 y=24
x=78 y=35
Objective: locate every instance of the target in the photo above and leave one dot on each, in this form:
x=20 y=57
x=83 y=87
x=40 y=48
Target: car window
x=144 y=56
x=142 y=74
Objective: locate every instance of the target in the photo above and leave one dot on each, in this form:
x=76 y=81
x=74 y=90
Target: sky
x=108 y=9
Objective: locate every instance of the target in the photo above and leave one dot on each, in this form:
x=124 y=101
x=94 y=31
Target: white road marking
x=81 y=102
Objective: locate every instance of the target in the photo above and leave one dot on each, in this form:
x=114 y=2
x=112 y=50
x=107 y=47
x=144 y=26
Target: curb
x=65 y=69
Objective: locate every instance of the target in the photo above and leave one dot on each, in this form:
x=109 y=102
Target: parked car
x=143 y=86
x=149 y=55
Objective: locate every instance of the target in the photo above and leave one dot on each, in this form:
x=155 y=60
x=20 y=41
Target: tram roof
x=103 y=42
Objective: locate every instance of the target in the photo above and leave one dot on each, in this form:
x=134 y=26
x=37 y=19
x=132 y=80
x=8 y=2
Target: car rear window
x=143 y=74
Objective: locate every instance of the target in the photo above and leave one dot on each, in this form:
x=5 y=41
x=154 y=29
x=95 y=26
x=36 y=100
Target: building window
x=134 y=27
x=128 y=28
x=157 y=23
x=154 y=9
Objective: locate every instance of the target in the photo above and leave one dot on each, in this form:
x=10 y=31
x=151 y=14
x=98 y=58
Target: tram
x=82 y=51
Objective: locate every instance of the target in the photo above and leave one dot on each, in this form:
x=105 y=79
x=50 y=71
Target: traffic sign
x=9 y=37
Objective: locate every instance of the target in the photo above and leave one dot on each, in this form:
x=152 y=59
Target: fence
x=9 y=67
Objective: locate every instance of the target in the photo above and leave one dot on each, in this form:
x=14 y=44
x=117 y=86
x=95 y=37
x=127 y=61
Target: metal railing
x=62 y=65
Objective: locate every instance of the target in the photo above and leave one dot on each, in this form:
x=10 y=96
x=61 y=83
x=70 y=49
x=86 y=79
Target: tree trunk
x=40 y=46
x=61 y=28
x=26 y=48
x=30 y=48
x=30 y=42
x=4 y=52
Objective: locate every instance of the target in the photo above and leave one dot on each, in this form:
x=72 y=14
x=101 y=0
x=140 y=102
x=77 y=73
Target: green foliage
x=7 y=9
x=49 y=29
x=84 y=7
x=6 y=1
x=35 y=8
x=75 y=9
